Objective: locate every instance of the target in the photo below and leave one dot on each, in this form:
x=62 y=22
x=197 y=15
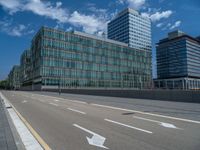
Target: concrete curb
x=29 y=136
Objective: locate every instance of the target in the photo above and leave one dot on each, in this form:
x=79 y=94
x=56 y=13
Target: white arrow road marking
x=167 y=125
x=132 y=127
x=53 y=104
x=96 y=140
x=76 y=111
x=24 y=101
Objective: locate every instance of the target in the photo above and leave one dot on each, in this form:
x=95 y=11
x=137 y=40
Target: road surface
x=77 y=122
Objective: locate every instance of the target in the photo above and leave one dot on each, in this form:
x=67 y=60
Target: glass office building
x=178 y=61
x=131 y=28
x=14 y=78
x=25 y=66
x=78 y=60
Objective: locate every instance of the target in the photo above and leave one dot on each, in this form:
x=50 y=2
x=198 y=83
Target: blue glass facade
x=131 y=28
x=78 y=60
x=178 y=56
x=178 y=61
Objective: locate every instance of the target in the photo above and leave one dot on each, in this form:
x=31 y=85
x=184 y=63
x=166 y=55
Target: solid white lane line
x=53 y=104
x=96 y=140
x=26 y=136
x=164 y=124
x=128 y=126
x=76 y=111
x=76 y=101
x=140 y=112
x=34 y=98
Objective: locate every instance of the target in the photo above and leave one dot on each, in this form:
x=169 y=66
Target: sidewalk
x=6 y=137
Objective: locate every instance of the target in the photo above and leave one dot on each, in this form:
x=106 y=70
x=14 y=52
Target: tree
x=4 y=84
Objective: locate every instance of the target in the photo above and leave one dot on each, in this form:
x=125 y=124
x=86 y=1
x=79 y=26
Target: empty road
x=82 y=122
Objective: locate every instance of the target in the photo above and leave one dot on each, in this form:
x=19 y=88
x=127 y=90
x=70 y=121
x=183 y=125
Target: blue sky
x=21 y=19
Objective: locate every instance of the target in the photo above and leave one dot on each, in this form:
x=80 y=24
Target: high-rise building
x=178 y=61
x=14 y=78
x=78 y=60
x=132 y=28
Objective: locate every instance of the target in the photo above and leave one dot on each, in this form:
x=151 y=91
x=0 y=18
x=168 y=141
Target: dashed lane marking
x=76 y=111
x=128 y=126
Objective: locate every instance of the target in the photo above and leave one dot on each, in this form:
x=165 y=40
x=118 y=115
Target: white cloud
x=7 y=27
x=38 y=7
x=89 y=23
x=159 y=25
x=94 y=23
x=69 y=29
x=47 y=9
x=170 y=26
x=158 y=15
x=92 y=7
x=175 y=25
x=11 y=5
x=135 y=4
x=17 y=30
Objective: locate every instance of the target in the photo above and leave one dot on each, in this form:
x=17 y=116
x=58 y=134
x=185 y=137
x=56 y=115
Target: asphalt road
x=77 y=122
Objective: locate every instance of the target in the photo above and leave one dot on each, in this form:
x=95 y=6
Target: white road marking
x=96 y=140
x=53 y=104
x=76 y=111
x=140 y=112
x=128 y=126
x=27 y=138
x=24 y=101
x=56 y=100
x=167 y=125
x=76 y=101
